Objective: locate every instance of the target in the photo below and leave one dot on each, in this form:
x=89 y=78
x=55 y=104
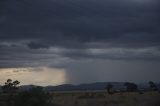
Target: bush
x=35 y=97
x=131 y=87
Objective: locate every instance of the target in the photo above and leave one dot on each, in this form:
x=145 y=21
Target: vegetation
x=34 y=97
x=153 y=86
x=109 y=87
x=37 y=97
x=131 y=87
x=100 y=98
x=10 y=87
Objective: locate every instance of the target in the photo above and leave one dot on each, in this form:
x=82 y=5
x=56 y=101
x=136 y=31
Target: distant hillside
x=94 y=86
x=89 y=86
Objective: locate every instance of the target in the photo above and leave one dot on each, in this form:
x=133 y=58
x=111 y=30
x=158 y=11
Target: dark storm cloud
x=79 y=20
x=43 y=31
x=33 y=45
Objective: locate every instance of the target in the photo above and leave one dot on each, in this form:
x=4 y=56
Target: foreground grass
x=99 y=98
x=104 y=99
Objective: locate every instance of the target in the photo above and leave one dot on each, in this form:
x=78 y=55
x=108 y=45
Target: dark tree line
x=132 y=87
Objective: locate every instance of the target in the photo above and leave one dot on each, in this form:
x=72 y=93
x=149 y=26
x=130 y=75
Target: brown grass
x=104 y=99
x=100 y=98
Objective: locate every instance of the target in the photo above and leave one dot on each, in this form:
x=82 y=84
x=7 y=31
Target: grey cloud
x=92 y=40
x=58 y=57
x=33 y=45
x=75 y=27
x=79 y=20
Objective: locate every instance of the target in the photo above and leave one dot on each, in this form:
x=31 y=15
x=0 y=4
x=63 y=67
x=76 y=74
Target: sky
x=52 y=42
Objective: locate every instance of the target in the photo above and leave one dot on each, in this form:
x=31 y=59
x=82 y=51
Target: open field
x=101 y=98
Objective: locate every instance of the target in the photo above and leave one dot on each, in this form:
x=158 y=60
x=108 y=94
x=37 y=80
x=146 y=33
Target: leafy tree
x=153 y=86
x=109 y=87
x=10 y=87
x=131 y=87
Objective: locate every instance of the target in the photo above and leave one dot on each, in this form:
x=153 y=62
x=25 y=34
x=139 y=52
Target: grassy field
x=101 y=98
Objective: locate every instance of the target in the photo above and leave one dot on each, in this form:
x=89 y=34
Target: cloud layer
x=57 y=33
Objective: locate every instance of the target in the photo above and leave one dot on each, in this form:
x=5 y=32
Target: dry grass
x=100 y=98
x=104 y=99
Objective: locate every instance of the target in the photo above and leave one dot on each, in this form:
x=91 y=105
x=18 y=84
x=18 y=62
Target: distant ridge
x=89 y=86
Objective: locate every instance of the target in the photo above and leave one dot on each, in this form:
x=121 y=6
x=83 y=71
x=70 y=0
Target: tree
x=153 y=86
x=131 y=87
x=109 y=87
x=10 y=87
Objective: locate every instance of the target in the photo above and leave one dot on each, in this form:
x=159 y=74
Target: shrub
x=35 y=97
